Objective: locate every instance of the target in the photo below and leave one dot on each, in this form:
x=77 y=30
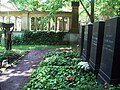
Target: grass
x=29 y=47
x=35 y=47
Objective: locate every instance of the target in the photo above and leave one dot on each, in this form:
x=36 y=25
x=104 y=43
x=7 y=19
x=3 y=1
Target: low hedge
x=41 y=38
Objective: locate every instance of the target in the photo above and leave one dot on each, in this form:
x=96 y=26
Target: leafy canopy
x=102 y=7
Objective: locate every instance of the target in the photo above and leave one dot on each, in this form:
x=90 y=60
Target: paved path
x=16 y=77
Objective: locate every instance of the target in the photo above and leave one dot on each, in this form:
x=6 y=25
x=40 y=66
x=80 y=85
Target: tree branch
x=85 y=9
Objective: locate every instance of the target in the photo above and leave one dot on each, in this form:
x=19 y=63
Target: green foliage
x=54 y=6
x=37 y=47
x=112 y=9
x=41 y=38
x=16 y=40
x=36 y=5
x=54 y=77
x=12 y=54
x=56 y=72
x=70 y=54
x=53 y=73
x=60 y=59
x=1 y=57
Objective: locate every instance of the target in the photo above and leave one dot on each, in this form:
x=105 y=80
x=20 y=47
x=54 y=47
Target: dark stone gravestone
x=96 y=46
x=87 y=42
x=110 y=61
x=82 y=38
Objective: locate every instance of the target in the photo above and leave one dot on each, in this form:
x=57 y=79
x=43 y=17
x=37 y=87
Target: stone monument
x=110 y=61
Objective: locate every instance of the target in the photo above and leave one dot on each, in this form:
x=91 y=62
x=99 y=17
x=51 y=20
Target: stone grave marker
x=87 y=42
x=110 y=61
x=96 y=46
x=82 y=38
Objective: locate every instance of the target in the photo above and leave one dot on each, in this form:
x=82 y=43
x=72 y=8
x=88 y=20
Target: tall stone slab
x=110 y=61
x=96 y=46
x=82 y=38
x=87 y=42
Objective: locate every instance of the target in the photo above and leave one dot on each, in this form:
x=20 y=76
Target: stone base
x=83 y=56
x=94 y=68
x=103 y=78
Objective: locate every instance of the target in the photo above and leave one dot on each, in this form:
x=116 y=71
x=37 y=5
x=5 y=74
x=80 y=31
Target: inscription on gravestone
x=110 y=60
x=96 y=46
x=87 y=42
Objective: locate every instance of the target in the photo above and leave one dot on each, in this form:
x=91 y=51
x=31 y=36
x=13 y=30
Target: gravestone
x=110 y=61
x=96 y=46
x=82 y=38
x=87 y=42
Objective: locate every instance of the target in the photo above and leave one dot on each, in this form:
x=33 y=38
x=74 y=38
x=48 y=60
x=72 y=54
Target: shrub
x=17 y=40
x=41 y=38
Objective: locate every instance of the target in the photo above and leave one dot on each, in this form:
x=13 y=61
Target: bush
x=17 y=40
x=41 y=38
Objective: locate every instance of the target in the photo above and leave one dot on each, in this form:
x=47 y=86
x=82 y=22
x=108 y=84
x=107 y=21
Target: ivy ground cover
x=62 y=71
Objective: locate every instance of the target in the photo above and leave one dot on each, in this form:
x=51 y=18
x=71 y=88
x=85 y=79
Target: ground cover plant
x=58 y=71
x=64 y=71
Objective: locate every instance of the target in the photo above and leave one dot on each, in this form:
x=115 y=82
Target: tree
x=93 y=8
x=109 y=7
x=91 y=16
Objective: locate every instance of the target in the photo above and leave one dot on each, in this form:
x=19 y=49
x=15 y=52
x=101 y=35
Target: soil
x=16 y=77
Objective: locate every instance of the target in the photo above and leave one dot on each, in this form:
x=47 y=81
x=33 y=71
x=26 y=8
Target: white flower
x=84 y=65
